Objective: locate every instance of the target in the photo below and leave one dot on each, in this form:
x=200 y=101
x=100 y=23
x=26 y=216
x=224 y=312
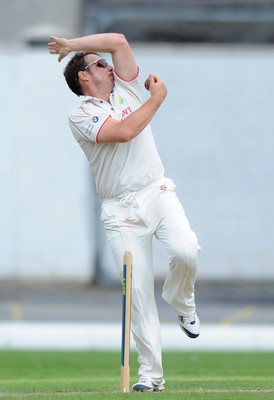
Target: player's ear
x=82 y=75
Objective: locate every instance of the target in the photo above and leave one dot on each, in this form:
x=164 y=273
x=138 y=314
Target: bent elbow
x=121 y=38
x=126 y=135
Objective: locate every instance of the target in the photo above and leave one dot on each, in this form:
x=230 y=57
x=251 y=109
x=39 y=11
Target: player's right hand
x=59 y=46
x=157 y=87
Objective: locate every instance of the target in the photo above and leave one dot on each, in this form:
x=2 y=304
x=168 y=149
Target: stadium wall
x=214 y=133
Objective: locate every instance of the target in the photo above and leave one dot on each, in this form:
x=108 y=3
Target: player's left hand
x=59 y=46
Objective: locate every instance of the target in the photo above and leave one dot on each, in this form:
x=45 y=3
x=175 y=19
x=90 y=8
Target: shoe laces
x=189 y=320
x=143 y=380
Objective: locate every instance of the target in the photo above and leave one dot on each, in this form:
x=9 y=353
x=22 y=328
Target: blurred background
x=214 y=134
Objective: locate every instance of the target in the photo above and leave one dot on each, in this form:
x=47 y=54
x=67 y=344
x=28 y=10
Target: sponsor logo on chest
x=125 y=111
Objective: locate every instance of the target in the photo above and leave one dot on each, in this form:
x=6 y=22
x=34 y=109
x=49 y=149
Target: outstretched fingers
x=59 y=46
x=52 y=46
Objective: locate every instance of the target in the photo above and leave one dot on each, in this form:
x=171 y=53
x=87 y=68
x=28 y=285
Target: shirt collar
x=94 y=100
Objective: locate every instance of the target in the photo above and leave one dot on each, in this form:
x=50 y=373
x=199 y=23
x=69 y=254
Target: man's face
x=101 y=73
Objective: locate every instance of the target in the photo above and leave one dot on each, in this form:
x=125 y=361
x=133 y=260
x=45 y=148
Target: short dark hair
x=77 y=63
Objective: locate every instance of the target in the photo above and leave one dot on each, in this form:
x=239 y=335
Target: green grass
x=96 y=375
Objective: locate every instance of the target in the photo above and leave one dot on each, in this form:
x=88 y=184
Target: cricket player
x=112 y=126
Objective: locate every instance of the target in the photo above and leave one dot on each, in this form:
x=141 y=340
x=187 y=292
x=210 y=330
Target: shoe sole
x=143 y=388
x=190 y=334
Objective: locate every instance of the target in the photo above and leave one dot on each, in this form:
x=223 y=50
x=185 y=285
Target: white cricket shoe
x=190 y=325
x=146 y=385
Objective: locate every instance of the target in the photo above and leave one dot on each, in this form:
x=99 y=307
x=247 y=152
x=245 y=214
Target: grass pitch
x=53 y=375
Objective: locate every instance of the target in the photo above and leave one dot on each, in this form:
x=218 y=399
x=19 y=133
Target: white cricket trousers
x=131 y=223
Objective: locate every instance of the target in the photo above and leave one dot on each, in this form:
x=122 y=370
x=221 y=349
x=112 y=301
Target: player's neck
x=99 y=94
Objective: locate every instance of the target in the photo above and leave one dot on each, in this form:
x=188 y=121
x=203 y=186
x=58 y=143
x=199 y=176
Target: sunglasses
x=101 y=63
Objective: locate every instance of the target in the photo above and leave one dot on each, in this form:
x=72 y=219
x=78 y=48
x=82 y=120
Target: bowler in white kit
x=112 y=126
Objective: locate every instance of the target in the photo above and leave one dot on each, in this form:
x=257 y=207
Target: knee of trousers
x=185 y=256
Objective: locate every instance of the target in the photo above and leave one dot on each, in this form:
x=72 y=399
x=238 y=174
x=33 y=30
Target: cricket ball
x=147 y=84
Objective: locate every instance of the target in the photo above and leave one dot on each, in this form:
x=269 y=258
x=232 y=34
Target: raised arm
x=114 y=43
x=133 y=125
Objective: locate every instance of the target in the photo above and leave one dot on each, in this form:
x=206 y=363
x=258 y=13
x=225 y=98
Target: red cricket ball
x=147 y=84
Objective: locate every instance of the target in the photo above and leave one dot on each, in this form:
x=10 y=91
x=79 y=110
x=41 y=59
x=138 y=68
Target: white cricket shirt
x=118 y=168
